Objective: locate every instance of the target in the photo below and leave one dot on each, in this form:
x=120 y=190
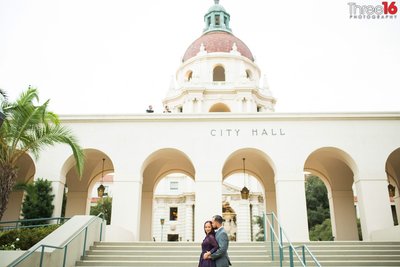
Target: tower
x=218 y=73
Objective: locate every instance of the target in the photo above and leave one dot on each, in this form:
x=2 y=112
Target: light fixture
x=101 y=188
x=245 y=191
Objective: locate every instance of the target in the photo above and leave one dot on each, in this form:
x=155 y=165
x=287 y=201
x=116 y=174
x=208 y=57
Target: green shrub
x=104 y=206
x=24 y=239
x=322 y=232
x=38 y=201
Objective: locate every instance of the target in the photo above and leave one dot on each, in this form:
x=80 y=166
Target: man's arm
x=223 y=246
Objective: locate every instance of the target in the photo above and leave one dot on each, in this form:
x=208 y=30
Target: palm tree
x=28 y=128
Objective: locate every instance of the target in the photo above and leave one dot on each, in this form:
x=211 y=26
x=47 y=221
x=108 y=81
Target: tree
x=28 y=128
x=322 y=232
x=317 y=201
x=103 y=205
x=259 y=220
x=38 y=201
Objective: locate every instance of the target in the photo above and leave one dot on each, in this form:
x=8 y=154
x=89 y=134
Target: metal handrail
x=279 y=238
x=18 y=223
x=65 y=246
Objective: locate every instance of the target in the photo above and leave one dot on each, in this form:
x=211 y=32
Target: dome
x=217 y=41
x=216 y=7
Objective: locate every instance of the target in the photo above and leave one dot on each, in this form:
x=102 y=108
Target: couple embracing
x=214 y=249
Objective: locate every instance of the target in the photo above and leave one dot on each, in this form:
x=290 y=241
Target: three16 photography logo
x=385 y=10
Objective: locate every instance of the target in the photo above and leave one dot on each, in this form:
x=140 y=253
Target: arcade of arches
x=334 y=166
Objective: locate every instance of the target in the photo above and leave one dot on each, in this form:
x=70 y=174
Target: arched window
x=220 y=107
x=189 y=75
x=249 y=74
x=219 y=74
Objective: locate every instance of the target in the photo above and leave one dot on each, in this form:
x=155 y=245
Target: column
x=374 y=206
x=342 y=207
x=243 y=221
x=58 y=191
x=75 y=204
x=396 y=200
x=291 y=206
x=188 y=221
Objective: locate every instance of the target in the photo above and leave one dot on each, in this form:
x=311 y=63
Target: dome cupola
x=216 y=19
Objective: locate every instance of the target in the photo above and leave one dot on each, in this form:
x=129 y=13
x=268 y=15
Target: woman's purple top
x=209 y=244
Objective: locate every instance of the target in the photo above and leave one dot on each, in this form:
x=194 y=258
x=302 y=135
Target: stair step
x=242 y=254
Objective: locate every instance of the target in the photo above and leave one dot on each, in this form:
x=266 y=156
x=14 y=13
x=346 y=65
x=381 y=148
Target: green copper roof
x=216 y=7
x=217 y=19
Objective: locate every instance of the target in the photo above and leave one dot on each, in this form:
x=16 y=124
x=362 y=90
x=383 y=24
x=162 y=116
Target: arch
x=219 y=107
x=156 y=166
x=219 y=74
x=80 y=188
x=259 y=166
x=338 y=171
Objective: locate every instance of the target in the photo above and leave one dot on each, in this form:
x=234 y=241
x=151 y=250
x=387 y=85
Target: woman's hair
x=212 y=229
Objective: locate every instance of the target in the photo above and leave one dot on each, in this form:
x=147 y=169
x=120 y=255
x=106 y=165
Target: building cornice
x=201 y=117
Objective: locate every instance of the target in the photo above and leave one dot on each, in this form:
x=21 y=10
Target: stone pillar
x=126 y=207
x=188 y=221
x=342 y=206
x=58 y=191
x=145 y=216
x=243 y=221
x=396 y=200
x=76 y=203
x=374 y=205
x=271 y=202
x=291 y=206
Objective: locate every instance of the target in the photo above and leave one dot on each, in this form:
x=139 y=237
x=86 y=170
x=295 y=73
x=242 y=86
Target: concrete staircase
x=256 y=254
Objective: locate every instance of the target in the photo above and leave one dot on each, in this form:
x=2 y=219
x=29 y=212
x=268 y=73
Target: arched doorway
x=336 y=169
x=157 y=166
x=79 y=189
x=250 y=164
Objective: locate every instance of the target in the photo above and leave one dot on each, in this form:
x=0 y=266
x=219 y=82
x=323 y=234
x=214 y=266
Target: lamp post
x=245 y=191
x=162 y=220
x=101 y=188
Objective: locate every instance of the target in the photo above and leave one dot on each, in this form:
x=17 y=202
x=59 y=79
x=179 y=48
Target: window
x=248 y=74
x=219 y=107
x=219 y=74
x=174 y=185
x=217 y=21
x=189 y=76
x=173 y=213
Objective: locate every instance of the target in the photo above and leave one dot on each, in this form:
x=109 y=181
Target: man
x=220 y=256
x=150 y=109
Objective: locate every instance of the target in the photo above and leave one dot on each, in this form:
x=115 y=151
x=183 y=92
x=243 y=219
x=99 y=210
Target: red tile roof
x=217 y=41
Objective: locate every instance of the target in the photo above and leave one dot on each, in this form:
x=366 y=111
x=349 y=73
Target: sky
x=118 y=56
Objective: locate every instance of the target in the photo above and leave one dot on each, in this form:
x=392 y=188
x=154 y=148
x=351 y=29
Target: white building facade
x=221 y=112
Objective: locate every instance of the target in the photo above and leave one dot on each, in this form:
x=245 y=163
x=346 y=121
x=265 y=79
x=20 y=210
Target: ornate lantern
x=245 y=191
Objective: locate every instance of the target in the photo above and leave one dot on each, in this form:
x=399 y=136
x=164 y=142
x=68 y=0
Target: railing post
x=41 y=256
x=265 y=226
x=65 y=255
x=271 y=232
x=84 y=242
x=291 y=256
x=281 y=256
x=304 y=255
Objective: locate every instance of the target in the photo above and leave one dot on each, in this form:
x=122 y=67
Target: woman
x=209 y=244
